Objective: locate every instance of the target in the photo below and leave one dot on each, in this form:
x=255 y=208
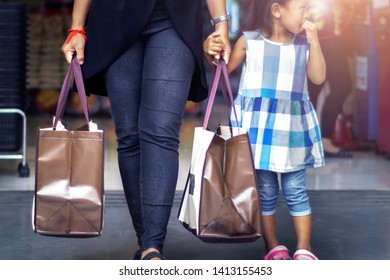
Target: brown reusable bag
x=221 y=201
x=69 y=190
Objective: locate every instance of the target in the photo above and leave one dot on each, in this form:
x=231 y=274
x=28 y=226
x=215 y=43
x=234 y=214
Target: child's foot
x=303 y=254
x=278 y=253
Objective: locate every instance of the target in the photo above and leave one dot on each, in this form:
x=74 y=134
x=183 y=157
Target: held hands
x=216 y=46
x=76 y=46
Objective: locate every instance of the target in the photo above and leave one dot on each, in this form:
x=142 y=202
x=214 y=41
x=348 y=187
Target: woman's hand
x=74 y=46
x=75 y=43
x=222 y=29
x=217 y=8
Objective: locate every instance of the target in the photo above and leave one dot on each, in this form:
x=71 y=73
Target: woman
x=147 y=57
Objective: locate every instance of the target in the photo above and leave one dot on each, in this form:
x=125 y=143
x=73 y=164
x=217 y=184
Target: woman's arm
x=77 y=43
x=217 y=8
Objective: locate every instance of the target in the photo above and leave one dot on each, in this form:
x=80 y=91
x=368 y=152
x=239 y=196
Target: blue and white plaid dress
x=273 y=105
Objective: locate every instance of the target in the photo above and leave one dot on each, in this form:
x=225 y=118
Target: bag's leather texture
x=221 y=201
x=69 y=183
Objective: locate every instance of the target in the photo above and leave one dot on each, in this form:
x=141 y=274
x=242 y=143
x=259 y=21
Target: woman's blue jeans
x=148 y=88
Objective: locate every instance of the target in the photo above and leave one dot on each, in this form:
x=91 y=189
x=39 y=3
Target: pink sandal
x=277 y=253
x=303 y=254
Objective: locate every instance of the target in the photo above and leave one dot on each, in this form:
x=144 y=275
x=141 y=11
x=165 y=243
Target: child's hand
x=311 y=32
x=213 y=46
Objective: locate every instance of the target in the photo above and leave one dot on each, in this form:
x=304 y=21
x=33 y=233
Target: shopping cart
x=12 y=143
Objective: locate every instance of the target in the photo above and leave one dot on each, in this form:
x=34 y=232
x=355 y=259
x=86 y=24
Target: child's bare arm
x=316 y=67
x=238 y=54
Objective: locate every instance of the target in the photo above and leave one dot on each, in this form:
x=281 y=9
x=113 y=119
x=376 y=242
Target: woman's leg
x=168 y=68
x=294 y=189
x=123 y=82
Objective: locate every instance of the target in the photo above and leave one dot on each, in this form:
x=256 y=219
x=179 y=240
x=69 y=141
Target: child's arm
x=316 y=67
x=238 y=54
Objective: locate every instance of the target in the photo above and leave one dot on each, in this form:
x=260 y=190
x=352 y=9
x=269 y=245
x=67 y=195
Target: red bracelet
x=73 y=32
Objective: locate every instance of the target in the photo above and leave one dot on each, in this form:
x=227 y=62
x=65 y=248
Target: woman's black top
x=112 y=26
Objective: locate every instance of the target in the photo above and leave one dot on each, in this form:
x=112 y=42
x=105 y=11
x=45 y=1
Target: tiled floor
x=350 y=200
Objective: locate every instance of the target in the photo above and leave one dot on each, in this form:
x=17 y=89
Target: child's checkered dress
x=273 y=105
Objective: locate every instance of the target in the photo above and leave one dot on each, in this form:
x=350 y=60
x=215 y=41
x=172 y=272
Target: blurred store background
x=350 y=196
x=353 y=104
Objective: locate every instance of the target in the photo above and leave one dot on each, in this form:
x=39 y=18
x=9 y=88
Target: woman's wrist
x=222 y=28
x=77 y=24
x=220 y=19
x=73 y=31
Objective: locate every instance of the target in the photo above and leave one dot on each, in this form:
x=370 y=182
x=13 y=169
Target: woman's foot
x=332 y=151
x=152 y=254
x=137 y=255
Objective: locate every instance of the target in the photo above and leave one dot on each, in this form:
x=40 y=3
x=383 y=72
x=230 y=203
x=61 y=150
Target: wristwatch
x=220 y=19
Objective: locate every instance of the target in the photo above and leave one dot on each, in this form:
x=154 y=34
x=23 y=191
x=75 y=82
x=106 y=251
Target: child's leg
x=302 y=226
x=293 y=185
x=269 y=232
x=269 y=191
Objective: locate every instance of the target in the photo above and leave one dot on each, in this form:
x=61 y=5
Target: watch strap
x=220 y=19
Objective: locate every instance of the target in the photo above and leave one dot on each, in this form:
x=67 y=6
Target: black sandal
x=153 y=254
x=137 y=255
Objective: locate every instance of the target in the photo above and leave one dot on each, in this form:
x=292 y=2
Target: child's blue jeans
x=293 y=187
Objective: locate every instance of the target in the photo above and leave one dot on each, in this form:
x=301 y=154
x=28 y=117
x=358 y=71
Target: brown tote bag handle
x=219 y=70
x=74 y=71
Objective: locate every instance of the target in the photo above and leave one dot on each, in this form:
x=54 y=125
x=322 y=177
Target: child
x=273 y=105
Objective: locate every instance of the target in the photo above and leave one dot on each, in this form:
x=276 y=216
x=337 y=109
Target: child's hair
x=259 y=16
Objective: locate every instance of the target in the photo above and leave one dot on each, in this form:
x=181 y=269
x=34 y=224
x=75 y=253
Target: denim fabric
x=148 y=88
x=294 y=191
